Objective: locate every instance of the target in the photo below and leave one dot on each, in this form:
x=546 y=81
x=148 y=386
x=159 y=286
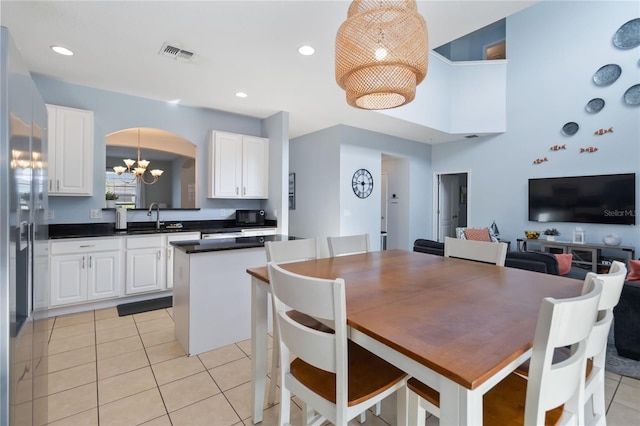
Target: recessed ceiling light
x=241 y=95
x=174 y=101
x=62 y=50
x=306 y=50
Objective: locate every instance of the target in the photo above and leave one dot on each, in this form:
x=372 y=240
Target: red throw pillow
x=564 y=263
x=634 y=273
x=477 y=234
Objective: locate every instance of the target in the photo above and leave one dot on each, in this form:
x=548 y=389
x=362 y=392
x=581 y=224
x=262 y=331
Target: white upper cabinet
x=70 y=151
x=238 y=166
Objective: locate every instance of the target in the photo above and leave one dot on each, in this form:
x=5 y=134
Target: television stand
x=586 y=256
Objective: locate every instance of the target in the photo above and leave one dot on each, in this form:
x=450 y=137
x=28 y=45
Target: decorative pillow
x=634 y=273
x=564 y=263
x=477 y=234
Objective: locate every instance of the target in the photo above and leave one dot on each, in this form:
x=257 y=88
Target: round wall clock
x=362 y=183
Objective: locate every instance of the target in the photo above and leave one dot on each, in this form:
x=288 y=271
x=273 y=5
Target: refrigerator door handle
x=23 y=235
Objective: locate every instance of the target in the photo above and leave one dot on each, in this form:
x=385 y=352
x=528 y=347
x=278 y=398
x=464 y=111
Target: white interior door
x=448 y=196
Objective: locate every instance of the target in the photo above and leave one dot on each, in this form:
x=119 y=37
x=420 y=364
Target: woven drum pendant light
x=381 y=53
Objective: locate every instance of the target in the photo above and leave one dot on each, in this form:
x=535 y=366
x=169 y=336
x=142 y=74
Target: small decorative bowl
x=612 y=240
x=532 y=235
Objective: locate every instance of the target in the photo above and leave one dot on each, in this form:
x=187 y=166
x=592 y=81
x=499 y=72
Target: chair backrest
x=291 y=250
x=320 y=298
x=561 y=322
x=349 y=244
x=612 y=284
x=482 y=251
x=480 y=234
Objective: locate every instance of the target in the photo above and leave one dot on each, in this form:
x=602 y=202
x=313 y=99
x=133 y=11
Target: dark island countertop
x=204 y=246
x=89 y=230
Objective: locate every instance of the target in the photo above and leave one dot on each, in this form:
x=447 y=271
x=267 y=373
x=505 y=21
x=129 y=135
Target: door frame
x=436 y=199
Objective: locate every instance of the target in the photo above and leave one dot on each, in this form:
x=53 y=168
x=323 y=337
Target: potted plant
x=110 y=198
x=551 y=234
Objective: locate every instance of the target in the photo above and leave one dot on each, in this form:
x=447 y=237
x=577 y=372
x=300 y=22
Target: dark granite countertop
x=203 y=246
x=88 y=230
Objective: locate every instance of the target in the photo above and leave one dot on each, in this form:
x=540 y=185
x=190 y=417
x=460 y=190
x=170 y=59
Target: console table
x=588 y=256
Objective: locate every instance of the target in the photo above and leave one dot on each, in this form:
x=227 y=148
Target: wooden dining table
x=458 y=326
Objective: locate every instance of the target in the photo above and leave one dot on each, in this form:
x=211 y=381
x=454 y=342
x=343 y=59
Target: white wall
x=549 y=83
x=459 y=97
x=360 y=215
x=324 y=163
x=315 y=159
x=277 y=127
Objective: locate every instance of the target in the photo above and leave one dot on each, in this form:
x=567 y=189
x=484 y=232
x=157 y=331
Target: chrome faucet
x=158 y=223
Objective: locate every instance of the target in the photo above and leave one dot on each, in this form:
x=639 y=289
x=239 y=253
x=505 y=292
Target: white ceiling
x=248 y=46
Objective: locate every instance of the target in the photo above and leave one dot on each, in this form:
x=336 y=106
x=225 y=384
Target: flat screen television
x=609 y=199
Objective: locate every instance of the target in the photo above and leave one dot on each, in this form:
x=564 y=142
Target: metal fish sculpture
x=540 y=160
x=589 y=149
x=603 y=131
x=558 y=147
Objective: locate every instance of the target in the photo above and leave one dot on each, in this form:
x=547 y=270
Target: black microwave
x=250 y=217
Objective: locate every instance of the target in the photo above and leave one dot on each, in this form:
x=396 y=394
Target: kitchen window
x=125 y=187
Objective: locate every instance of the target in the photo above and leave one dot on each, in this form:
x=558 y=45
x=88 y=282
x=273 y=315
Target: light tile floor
x=109 y=370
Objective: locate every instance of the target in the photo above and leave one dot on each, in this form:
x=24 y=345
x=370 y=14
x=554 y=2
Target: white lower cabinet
x=170 y=252
x=145 y=264
x=85 y=269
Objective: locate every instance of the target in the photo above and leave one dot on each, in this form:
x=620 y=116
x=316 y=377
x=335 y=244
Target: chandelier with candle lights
x=139 y=171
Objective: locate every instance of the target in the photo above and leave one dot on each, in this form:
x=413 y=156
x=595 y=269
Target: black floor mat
x=144 y=306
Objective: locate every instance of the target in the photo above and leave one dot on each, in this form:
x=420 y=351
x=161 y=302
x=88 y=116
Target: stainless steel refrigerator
x=23 y=243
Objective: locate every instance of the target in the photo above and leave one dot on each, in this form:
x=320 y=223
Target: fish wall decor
x=590 y=149
x=601 y=132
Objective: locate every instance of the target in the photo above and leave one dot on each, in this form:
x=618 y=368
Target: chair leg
x=416 y=414
x=599 y=407
x=275 y=363
x=308 y=414
x=285 y=407
x=402 y=402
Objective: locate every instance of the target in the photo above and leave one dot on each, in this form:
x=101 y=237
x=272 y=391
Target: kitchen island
x=212 y=291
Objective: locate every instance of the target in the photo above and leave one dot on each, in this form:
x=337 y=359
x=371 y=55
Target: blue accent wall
x=115 y=111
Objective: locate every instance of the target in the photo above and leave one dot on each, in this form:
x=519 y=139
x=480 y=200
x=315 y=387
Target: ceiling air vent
x=176 y=53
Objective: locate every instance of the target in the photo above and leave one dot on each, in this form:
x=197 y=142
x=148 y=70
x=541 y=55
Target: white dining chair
x=336 y=379
x=285 y=252
x=482 y=251
x=342 y=246
x=592 y=398
x=348 y=244
x=291 y=250
x=552 y=393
